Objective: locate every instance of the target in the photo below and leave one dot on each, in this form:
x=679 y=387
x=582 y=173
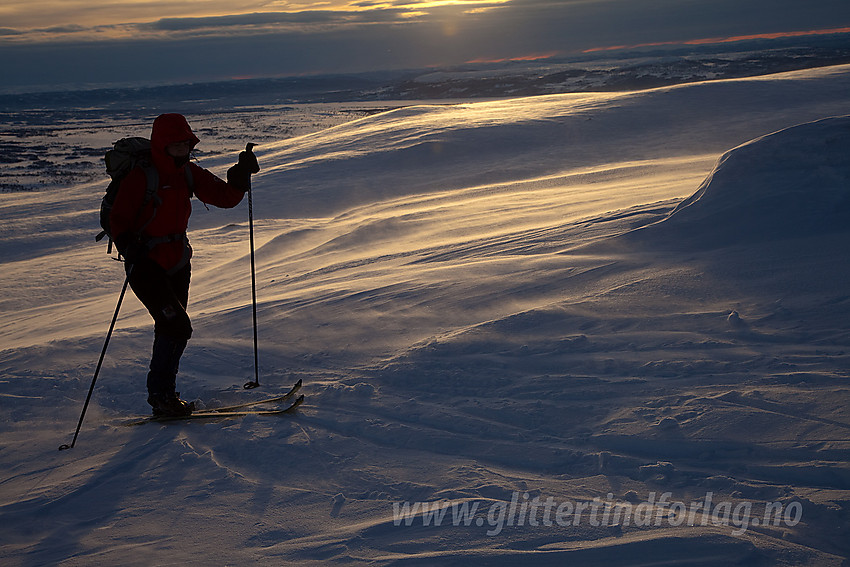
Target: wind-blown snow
x=565 y=297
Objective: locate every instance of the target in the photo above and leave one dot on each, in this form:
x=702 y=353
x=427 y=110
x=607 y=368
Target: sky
x=47 y=44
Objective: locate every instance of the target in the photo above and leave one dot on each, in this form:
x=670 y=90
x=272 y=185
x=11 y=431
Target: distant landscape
x=104 y=114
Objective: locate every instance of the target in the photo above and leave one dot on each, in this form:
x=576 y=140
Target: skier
x=151 y=235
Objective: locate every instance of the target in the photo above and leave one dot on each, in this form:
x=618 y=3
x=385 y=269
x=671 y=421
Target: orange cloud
x=707 y=41
x=534 y=57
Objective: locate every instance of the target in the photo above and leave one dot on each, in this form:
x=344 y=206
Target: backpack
x=125 y=155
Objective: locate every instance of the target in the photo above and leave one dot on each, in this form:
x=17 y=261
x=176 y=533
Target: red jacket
x=169 y=219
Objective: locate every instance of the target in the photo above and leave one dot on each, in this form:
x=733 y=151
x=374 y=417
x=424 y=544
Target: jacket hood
x=168 y=129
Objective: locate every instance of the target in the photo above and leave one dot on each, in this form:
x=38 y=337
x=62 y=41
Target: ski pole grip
x=251 y=159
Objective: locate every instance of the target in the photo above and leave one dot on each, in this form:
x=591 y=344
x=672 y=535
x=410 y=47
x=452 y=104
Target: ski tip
x=298 y=401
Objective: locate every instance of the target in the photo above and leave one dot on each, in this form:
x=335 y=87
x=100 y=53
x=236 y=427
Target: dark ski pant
x=165 y=296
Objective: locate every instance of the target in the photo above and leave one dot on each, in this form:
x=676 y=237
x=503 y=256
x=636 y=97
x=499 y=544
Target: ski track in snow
x=564 y=297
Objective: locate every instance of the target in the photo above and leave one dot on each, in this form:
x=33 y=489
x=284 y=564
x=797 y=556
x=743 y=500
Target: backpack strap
x=190 y=180
x=151 y=194
x=181 y=237
x=152 y=178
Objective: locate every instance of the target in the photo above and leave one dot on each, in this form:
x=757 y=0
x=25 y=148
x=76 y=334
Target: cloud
x=60 y=30
x=529 y=57
x=372 y=35
x=258 y=19
x=182 y=27
x=540 y=25
x=730 y=39
x=365 y=12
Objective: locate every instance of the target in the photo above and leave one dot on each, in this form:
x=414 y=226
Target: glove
x=240 y=174
x=248 y=160
x=132 y=248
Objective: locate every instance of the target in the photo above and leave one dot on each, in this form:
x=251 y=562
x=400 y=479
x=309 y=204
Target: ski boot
x=170 y=405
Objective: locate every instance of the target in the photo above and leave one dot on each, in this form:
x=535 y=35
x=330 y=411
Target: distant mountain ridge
x=611 y=71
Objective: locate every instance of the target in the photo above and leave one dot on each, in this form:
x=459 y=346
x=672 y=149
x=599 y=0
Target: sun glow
x=408 y=7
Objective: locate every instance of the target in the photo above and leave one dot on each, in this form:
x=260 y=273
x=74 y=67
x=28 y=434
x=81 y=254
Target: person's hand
x=240 y=174
x=248 y=160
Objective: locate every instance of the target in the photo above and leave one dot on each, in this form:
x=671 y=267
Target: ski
x=281 y=398
x=217 y=414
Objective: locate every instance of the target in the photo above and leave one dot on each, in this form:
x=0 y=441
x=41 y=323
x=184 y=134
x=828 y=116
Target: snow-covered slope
x=504 y=308
x=792 y=183
x=436 y=148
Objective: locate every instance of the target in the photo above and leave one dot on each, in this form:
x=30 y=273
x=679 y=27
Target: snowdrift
x=792 y=183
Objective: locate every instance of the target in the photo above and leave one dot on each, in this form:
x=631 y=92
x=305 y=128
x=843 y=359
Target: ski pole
x=249 y=147
x=100 y=362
